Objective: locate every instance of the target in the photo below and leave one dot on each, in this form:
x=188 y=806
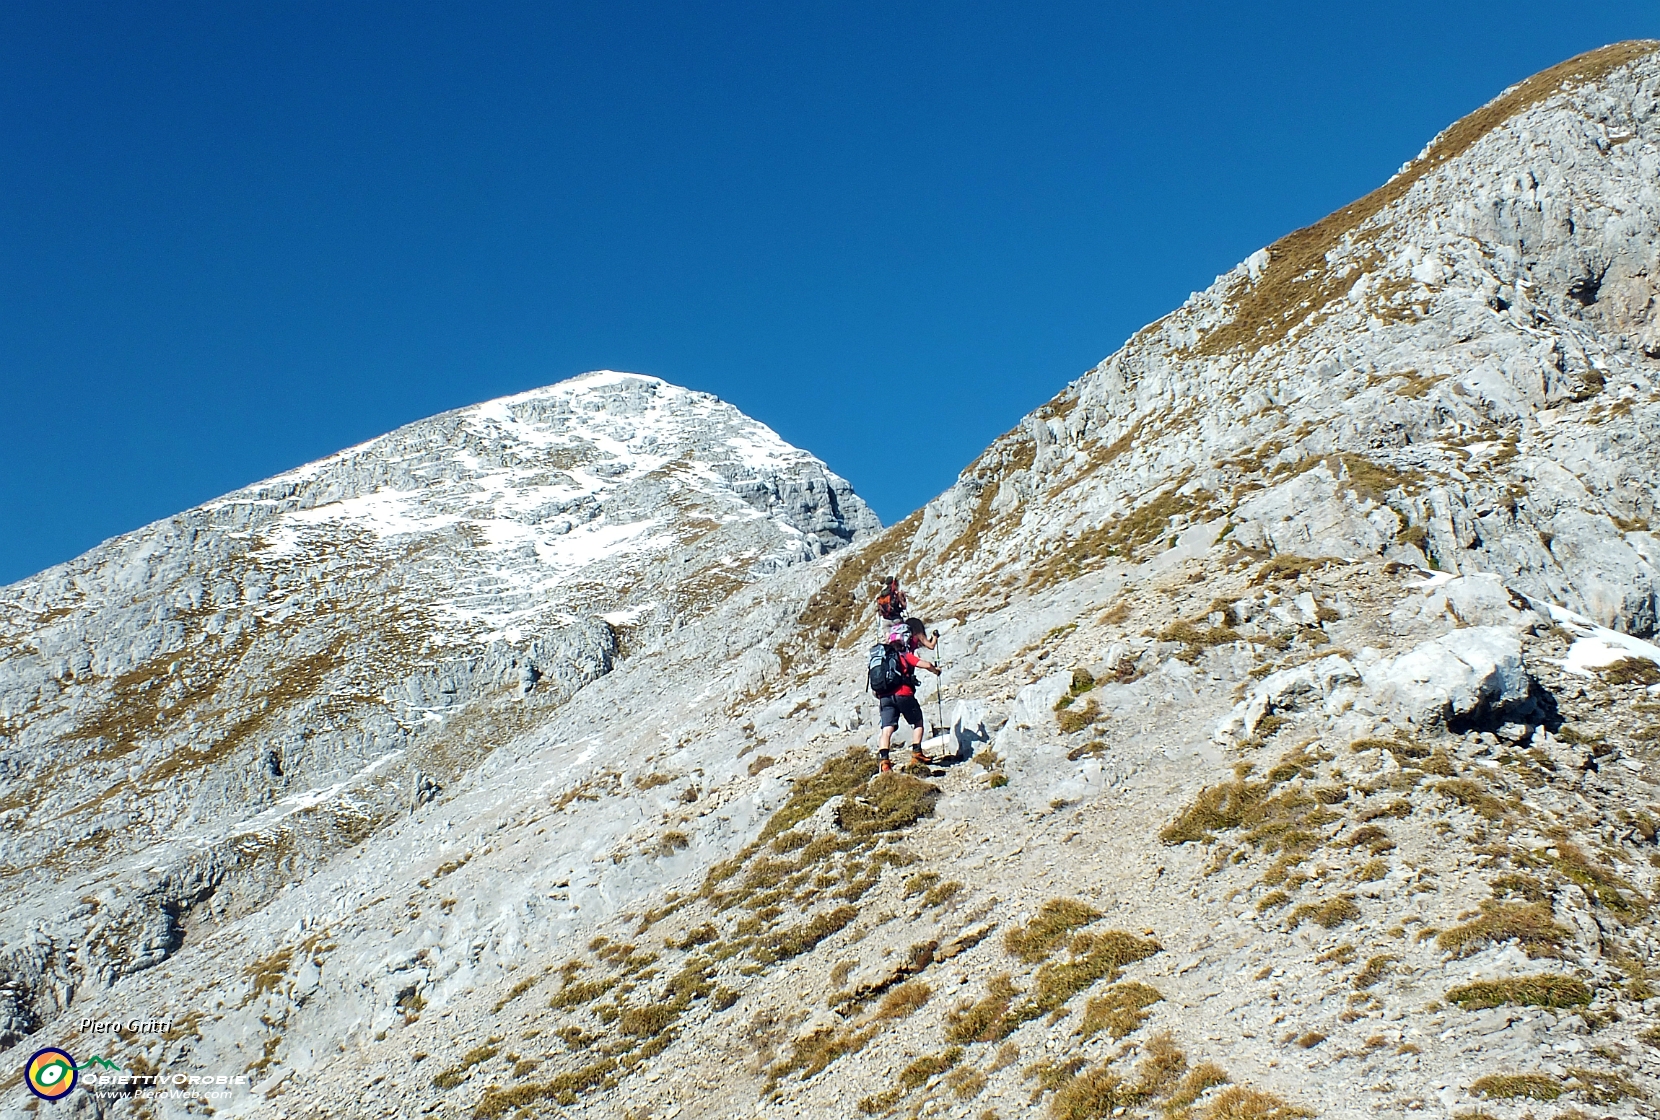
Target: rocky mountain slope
x=195 y=714
x=1299 y=744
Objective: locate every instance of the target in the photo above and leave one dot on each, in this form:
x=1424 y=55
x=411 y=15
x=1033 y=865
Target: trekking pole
x=939 y=687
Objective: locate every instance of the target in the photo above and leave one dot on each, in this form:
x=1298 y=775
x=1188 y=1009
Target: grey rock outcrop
x=1465 y=675
x=1318 y=682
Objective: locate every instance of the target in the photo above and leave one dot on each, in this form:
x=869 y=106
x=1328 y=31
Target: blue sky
x=237 y=237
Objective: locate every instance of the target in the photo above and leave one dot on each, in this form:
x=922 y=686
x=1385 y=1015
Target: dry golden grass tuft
x=1601 y=1086
x=1508 y=1086
x=1200 y=637
x=1522 y=886
x=457 y=1073
x=1205 y=1075
x=920 y=882
x=928 y=1067
x=940 y=895
x=1272 y=901
x=1371 y=837
x=1407 y=383
x=966 y=1084
x=813 y=1053
x=1400 y=808
x=1601 y=883
x=1531 y=925
x=1240 y=1103
x=701 y=935
x=1376 y=481
x=1292 y=567
x=1092 y=1094
x=1118 y=1010
x=1472 y=796
x=1371 y=871
x=1237 y=804
x=1376 y=969
x=1162 y=1077
x=1115 y=614
x=1330 y=914
x=1344 y=953
x=903 y=1000
x=1146 y=526
x=267 y=972
x=1094 y=957
x=1162 y=1063
x=839 y=775
x=1073 y=720
x=1543 y=990
x=985 y=1020
x=886 y=803
x=1631 y=670
x=516 y=991
x=783 y=944
x=1055 y=920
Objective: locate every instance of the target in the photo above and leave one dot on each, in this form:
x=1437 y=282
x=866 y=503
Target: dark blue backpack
x=886 y=671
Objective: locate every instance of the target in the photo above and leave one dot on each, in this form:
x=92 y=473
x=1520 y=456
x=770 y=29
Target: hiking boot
x=887 y=767
x=920 y=759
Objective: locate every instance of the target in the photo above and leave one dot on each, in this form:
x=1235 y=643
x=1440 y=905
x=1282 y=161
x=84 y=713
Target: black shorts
x=895 y=706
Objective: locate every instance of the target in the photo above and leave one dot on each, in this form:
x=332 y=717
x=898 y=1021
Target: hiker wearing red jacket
x=902 y=700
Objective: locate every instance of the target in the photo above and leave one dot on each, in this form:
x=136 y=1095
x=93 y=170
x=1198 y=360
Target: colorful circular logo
x=51 y=1074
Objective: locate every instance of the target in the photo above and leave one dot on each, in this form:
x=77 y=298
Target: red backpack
x=890 y=603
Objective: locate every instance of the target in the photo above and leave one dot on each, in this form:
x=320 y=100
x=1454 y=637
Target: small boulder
x=1469 y=674
x=1034 y=704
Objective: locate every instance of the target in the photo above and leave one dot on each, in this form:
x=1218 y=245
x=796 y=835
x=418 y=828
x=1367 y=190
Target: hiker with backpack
x=893 y=666
x=891 y=605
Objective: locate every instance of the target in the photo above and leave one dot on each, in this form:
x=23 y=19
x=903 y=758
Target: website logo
x=51 y=1074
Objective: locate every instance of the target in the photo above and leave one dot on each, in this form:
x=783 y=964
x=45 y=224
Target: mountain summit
x=232 y=694
x=1295 y=752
